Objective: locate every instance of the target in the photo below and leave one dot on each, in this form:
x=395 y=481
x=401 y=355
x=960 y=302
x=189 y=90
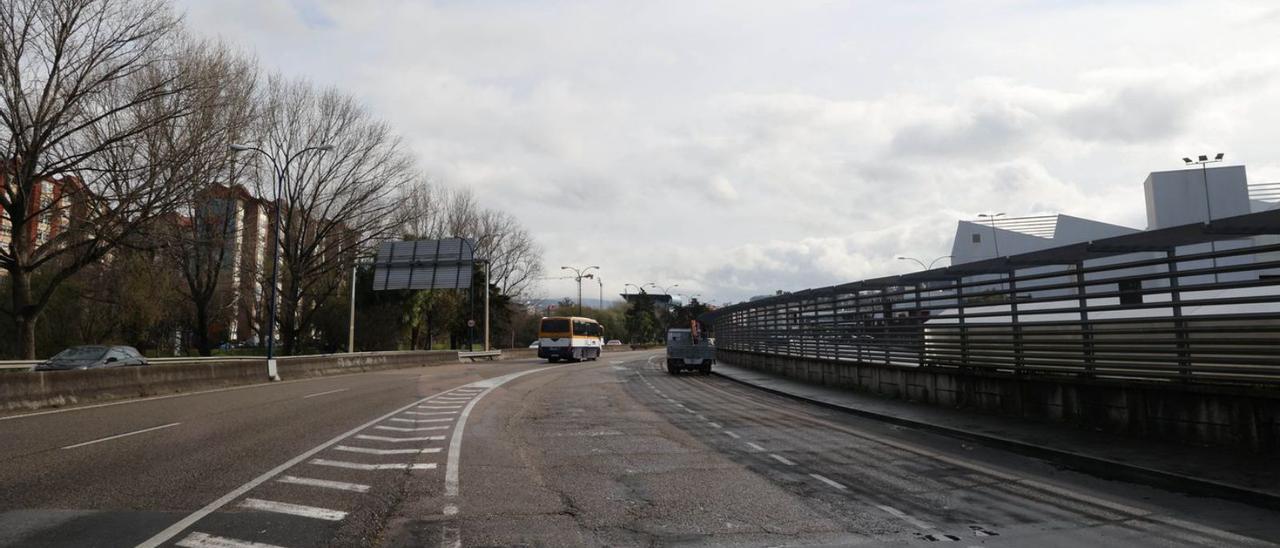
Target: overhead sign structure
x=424 y=264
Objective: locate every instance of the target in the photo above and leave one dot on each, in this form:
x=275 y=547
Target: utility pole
x=1204 y=162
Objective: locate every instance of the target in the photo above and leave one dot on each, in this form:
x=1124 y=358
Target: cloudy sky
x=740 y=147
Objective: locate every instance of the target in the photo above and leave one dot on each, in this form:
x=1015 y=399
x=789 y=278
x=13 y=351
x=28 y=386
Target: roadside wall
x=1239 y=417
x=35 y=390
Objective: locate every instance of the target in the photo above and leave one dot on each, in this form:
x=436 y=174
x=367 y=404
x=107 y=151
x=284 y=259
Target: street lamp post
x=579 y=274
x=600 y=281
x=921 y=263
x=1203 y=161
x=995 y=239
x=281 y=171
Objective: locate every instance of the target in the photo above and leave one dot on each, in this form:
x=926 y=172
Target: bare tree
x=200 y=245
x=86 y=89
x=333 y=204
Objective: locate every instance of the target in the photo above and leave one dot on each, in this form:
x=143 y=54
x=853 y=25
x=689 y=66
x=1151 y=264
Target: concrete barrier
x=1239 y=417
x=35 y=390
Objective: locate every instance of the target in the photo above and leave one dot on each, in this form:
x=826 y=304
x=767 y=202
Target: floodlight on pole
x=995 y=239
x=282 y=172
x=1204 y=162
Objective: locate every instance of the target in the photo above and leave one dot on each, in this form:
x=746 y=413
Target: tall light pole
x=921 y=263
x=625 y=286
x=579 y=274
x=995 y=239
x=600 y=281
x=666 y=291
x=1203 y=161
x=282 y=171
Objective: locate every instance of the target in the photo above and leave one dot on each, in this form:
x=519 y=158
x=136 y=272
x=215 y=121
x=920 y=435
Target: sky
x=737 y=148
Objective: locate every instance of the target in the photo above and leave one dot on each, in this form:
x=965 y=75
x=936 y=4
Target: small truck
x=688 y=349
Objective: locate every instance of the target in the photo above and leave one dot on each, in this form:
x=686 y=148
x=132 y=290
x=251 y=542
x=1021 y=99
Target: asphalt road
x=614 y=452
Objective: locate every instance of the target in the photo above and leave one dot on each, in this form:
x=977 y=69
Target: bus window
x=555 y=325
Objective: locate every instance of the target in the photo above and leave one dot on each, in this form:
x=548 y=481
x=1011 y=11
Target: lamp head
x=1204 y=158
x=236 y=147
x=1188 y=161
x=1219 y=156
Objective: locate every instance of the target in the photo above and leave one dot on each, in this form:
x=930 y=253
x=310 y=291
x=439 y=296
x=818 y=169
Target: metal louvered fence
x=1196 y=303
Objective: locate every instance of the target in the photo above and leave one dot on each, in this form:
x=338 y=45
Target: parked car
x=613 y=342
x=534 y=344
x=93 y=357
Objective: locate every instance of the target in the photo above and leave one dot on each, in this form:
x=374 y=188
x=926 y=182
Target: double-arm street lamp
x=921 y=263
x=579 y=275
x=281 y=172
x=625 y=286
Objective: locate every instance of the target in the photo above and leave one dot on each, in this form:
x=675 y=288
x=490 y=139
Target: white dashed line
x=427 y=414
x=327 y=484
x=422 y=420
x=782 y=459
x=731 y=434
x=439 y=407
x=363 y=466
x=325 y=393
x=418 y=429
x=714 y=424
x=904 y=517
x=828 y=481
x=117 y=436
x=371 y=451
x=203 y=540
x=398 y=440
x=756 y=447
x=293 y=509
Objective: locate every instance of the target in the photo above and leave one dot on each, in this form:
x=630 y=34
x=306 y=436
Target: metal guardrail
x=28 y=364
x=1161 y=305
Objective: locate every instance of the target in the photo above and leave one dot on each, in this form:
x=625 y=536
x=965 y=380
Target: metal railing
x=1159 y=305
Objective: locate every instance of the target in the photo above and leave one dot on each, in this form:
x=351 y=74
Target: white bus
x=570 y=338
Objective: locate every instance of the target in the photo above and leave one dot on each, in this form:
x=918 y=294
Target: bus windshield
x=555 y=325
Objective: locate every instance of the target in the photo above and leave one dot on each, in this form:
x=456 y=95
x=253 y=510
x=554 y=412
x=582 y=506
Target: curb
x=1096 y=466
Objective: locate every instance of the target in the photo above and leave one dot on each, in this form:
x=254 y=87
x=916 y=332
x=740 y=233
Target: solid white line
x=371 y=451
x=323 y=393
x=398 y=429
x=398 y=440
x=904 y=517
x=109 y=438
x=327 y=484
x=422 y=420
x=756 y=447
x=731 y=434
x=202 y=540
x=828 y=481
x=184 y=523
x=451 y=469
x=782 y=459
x=421 y=414
x=363 y=466
x=293 y=509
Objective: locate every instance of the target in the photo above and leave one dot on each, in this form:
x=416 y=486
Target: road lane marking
x=904 y=517
x=203 y=540
x=440 y=407
x=420 y=429
x=184 y=523
x=714 y=424
x=828 y=481
x=451 y=469
x=398 y=440
x=126 y=434
x=421 y=414
x=293 y=509
x=324 y=393
x=731 y=434
x=781 y=459
x=756 y=447
x=327 y=484
x=422 y=420
x=364 y=466
x=371 y=451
